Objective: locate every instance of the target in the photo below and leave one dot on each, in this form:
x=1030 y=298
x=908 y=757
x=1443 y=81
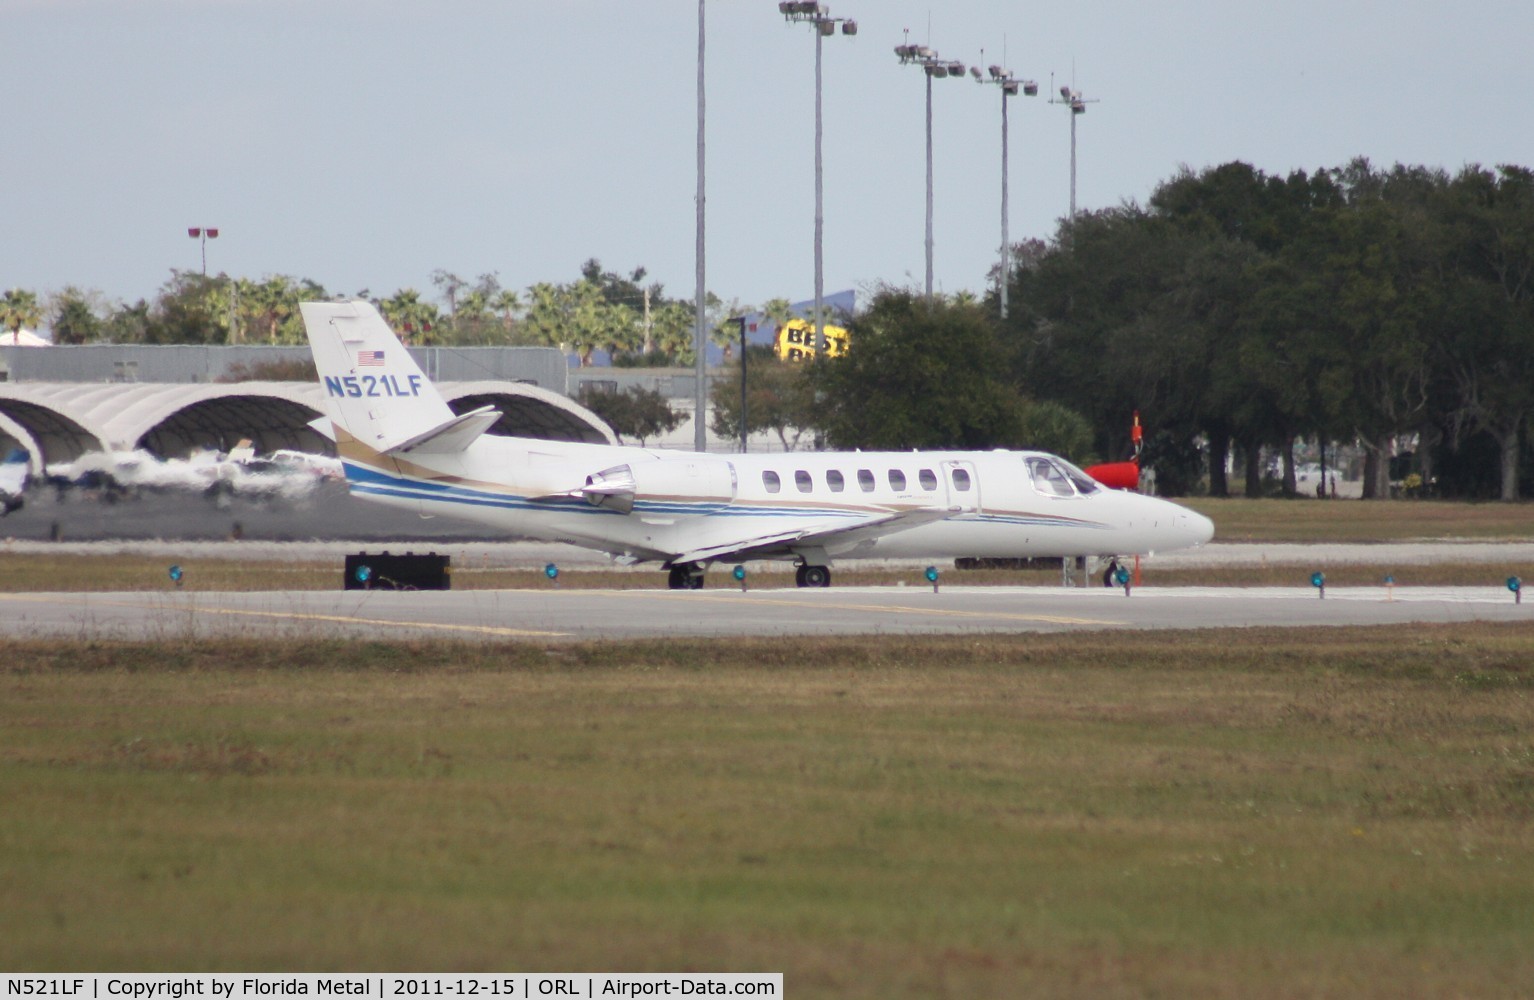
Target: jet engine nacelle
x=663 y=489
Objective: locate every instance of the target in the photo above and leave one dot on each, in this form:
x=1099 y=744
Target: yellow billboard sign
x=795 y=340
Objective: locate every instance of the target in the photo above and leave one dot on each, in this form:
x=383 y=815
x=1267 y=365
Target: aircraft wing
x=820 y=535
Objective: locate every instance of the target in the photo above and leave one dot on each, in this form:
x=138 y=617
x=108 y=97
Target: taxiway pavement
x=554 y=615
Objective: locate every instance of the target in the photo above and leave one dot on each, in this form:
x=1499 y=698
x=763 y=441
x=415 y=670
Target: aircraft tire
x=813 y=576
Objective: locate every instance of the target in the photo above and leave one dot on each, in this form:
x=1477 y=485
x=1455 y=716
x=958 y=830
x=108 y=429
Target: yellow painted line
x=348 y=620
x=884 y=608
x=307 y=617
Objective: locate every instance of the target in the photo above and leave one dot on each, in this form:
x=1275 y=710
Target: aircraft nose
x=1199 y=527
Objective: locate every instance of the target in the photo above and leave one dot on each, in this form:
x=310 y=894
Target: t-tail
x=380 y=401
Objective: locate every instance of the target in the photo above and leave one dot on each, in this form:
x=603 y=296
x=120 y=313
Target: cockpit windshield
x=1054 y=477
x=1085 y=484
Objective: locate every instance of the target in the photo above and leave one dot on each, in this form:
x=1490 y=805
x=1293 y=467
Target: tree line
x=1242 y=312
x=633 y=321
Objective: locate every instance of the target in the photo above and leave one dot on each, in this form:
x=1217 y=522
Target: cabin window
x=1049 y=479
x=772 y=482
x=961 y=480
x=835 y=481
x=803 y=481
x=866 y=480
x=928 y=479
x=897 y=480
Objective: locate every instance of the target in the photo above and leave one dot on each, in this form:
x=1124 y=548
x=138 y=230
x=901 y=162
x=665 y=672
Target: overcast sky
x=367 y=143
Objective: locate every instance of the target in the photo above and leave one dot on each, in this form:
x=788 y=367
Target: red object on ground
x=1117 y=475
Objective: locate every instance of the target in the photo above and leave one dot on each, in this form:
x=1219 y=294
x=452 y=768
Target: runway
x=553 y=615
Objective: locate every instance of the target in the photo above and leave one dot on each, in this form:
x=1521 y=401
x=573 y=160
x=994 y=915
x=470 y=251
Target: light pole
x=699 y=341
x=1009 y=87
x=204 y=234
x=928 y=60
x=741 y=320
x=818 y=16
x=1078 y=105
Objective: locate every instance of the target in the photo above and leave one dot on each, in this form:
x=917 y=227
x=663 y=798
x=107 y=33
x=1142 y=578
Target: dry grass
x=1257 y=814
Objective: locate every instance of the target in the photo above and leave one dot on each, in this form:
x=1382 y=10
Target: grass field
x=1262 y=814
x=1241 y=520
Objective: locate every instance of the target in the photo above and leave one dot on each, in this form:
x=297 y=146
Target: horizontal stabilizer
x=453 y=436
x=323 y=427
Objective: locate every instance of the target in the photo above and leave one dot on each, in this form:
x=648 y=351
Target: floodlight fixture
x=1072 y=99
x=203 y=234
x=818 y=16
x=934 y=68
x=1009 y=84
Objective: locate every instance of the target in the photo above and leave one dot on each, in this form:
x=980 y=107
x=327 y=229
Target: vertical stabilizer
x=376 y=392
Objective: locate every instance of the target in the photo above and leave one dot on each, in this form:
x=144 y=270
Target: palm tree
x=505 y=302
x=73 y=320
x=671 y=331
x=410 y=315
x=274 y=299
x=19 y=308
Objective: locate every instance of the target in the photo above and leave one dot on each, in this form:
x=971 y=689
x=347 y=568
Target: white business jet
x=400 y=444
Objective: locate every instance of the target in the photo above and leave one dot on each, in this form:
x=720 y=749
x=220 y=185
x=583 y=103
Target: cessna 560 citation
x=400 y=444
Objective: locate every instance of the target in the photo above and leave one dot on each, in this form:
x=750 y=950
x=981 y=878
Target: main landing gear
x=812 y=576
x=687 y=576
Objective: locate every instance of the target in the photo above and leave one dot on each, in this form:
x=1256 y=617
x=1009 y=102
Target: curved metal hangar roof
x=60 y=421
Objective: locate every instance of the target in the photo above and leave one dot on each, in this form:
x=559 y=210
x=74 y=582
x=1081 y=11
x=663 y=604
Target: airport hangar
x=63 y=402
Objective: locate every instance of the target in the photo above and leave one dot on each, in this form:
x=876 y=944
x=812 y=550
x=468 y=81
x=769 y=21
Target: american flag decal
x=370 y=359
